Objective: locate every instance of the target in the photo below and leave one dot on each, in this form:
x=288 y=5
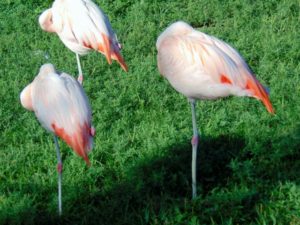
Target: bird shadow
x=171 y=174
x=159 y=184
x=154 y=182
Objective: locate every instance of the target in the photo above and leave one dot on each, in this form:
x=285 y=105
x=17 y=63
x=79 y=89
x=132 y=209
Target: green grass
x=249 y=160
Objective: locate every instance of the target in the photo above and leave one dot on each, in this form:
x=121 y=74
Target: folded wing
x=62 y=107
x=203 y=57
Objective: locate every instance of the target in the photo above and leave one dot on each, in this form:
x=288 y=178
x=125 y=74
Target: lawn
x=248 y=162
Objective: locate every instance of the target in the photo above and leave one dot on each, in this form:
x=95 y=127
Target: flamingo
x=82 y=26
x=62 y=107
x=204 y=67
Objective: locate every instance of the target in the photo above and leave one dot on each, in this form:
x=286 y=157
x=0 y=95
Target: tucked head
x=177 y=28
x=46 y=69
x=46 y=21
x=26 y=94
x=25 y=97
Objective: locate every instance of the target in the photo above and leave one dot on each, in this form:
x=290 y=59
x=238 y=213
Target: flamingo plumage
x=62 y=107
x=82 y=26
x=201 y=66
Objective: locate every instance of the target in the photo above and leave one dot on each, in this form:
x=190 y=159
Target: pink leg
x=194 y=141
x=59 y=170
x=80 y=76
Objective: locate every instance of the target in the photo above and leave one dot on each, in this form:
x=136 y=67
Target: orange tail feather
x=117 y=56
x=106 y=48
x=260 y=93
x=79 y=142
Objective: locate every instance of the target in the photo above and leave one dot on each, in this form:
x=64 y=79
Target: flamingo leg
x=194 y=141
x=59 y=170
x=80 y=75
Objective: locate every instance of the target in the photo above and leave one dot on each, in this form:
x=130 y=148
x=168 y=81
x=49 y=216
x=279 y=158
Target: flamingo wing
x=62 y=107
x=95 y=31
x=195 y=63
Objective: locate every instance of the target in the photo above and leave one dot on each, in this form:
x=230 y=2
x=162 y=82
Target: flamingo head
x=25 y=97
x=177 y=28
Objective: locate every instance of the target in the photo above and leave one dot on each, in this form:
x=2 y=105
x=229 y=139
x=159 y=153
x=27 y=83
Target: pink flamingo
x=203 y=67
x=82 y=26
x=62 y=107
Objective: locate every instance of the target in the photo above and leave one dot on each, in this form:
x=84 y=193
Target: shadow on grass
x=280 y=162
x=158 y=190
x=152 y=186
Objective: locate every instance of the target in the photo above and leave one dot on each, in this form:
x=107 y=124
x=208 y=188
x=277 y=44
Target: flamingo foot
x=59 y=168
x=93 y=131
x=195 y=140
x=120 y=46
x=80 y=79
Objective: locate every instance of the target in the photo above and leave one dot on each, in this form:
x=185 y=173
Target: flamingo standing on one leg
x=203 y=67
x=62 y=107
x=82 y=26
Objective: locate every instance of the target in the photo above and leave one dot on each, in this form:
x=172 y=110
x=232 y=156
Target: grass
x=249 y=160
